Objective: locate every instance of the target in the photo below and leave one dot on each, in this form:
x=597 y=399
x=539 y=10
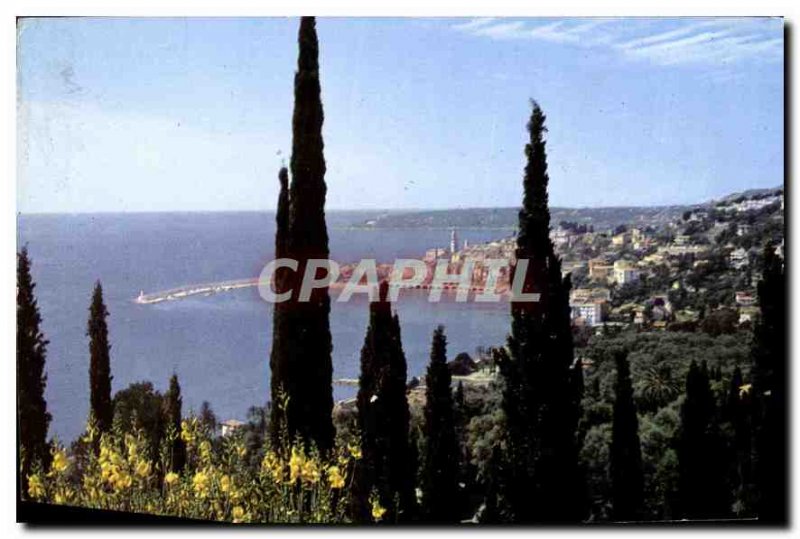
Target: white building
x=591 y=313
x=625 y=272
x=230 y=426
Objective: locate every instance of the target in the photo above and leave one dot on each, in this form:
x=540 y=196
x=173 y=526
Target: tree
x=440 y=495
x=769 y=392
x=627 y=483
x=279 y=360
x=702 y=489
x=172 y=418
x=539 y=398
x=140 y=406
x=738 y=412
x=99 y=362
x=303 y=368
x=33 y=418
x=383 y=418
x=208 y=419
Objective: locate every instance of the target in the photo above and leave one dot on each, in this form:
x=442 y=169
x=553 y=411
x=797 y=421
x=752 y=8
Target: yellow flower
x=238 y=514
x=273 y=466
x=295 y=465
x=171 y=478
x=200 y=484
x=225 y=483
x=355 y=451
x=377 y=510
x=187 y=435
x=335 y=477
x=121 y=480
x=310 y=472
x=35 y=487
x=60 y=462
x=745 y=390
x=143 y=468
x=205 y=451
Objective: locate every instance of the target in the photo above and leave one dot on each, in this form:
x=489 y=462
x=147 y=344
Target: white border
x=12 y=8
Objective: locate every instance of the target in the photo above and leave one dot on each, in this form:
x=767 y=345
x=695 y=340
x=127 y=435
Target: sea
x=219 y=344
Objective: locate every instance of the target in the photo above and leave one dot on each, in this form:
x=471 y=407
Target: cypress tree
x=737 y=413
x=173 y=403
x=627 y=482
x=539 y=396
x=304 y=370
x=383 y=418
x=769 y=392
x=440 y=465
x=33 y=418
x=99 y=362
x=702 y=489
x=278 y=361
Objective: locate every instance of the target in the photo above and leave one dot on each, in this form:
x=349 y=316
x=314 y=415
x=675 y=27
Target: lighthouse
x=453 y=241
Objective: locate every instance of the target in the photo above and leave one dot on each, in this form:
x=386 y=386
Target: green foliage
x=770 y=387
x=383 y=418
x=172 y=419
x=539 y=396
x=99 y=362
x=626 y=455
x=140 y=407
x=701 y=483
x=439 y=474
x=302 y=365
x=33 y=418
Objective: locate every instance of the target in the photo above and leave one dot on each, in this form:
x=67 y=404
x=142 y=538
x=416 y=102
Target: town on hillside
x=698 y=268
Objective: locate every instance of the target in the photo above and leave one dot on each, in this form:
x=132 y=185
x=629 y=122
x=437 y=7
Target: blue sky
x=195 y=114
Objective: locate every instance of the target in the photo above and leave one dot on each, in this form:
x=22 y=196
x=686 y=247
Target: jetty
x=186 y=291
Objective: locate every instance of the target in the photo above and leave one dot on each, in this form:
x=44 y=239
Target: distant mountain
x=506 y=218
x=750 y=193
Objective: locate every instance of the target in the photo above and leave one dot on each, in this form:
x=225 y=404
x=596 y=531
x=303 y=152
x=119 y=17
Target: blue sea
x=218 y=345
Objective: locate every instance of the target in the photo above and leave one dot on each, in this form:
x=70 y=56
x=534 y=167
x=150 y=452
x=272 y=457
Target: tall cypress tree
x=627 y=482
x=278 y=360
x=769 y=392
x=539 y=398
x=439 y=476
x=33 y=418
x=304 y=369
x=173 y=404
x=383 y=418
x=737 y=413
x=702 y=487
x=99 y=362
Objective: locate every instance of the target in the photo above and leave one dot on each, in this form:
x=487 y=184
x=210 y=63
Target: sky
x=195 y=114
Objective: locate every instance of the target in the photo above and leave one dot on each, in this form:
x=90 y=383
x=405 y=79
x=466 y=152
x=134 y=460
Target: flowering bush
x=292 y=486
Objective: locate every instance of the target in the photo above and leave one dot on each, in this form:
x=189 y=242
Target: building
x=619 y=240
x=599 y=269
x=682 y=239
x=748 y=314
x=584 y=295
x=625 y=272
x=739 y=258
x=745 y=299
x=589 y=313
x=682 y=250
x=453 y=241
x=561 y=237
x=742 y=229
x=230 y=426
